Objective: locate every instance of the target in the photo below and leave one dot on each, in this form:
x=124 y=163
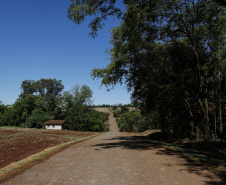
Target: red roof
x=55 y=122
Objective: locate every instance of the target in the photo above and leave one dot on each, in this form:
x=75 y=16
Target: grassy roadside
x=16 y=168
x=213 y=164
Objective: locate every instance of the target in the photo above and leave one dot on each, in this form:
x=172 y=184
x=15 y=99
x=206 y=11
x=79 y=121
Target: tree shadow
x=127 y=142
x=196 y=167
x=141 y=143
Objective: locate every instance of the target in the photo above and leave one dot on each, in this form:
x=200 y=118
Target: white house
x=55 y=124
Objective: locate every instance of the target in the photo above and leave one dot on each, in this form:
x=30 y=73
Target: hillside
x=110 y=110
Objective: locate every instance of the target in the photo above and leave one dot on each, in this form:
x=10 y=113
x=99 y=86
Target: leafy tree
x=2 y=107
x=116 y=113
x=29 y=109
x=79 y=9
x=129 y=121
x=67 y=99
x=97 y=120
x=82 y=95
x=27 y=87
x=83 y=118
x=124 y=109
x=79 y=114
x=50 y=89
x=137 y=58
x=37 y=118
x=7 y=118
x=6 y=115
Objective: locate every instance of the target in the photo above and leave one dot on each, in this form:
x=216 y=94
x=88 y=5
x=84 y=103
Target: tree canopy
x=101 y=9
x=49 y=89
x=44 y=100
x=170 y=54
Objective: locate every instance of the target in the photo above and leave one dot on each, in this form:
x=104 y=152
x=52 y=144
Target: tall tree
x=79 y=114
x=82 y=95
x=152 y=29
x=49 y=89
x=27 y=87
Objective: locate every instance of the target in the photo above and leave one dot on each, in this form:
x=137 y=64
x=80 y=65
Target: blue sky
x=37 y=40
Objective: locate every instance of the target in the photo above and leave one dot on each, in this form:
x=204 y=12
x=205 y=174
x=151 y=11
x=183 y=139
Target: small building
x=55 y=124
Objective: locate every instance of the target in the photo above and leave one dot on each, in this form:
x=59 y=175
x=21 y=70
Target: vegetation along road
x=116 y=158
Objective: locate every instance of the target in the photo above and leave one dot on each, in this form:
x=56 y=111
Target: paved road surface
x=115 y=159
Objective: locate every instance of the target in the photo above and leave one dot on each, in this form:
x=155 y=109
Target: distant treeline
x=114 y=105
x=45 y=99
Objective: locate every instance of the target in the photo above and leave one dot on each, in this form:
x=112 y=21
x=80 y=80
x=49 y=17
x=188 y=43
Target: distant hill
x=110 y=110
x=104 y=109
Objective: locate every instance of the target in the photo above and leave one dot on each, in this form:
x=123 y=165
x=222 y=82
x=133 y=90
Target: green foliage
x=3 y=108
x=7 y=116
x=82 y=95
x=170 y=55
x=78 y=111
x=83 y=118
x=37 y=119
x=129 y=121
x=49 y=89
x=116 y=113
x=79 y=9
x=134 y=121
x=25 y=111
x=123 y=110
x=36 y=105
x=114 y=108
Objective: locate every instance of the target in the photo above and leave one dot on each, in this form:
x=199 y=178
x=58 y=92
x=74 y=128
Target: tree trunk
x=197 y=130
x=205 y=112
x=206 y=122
x=220 y=120
x=220 y=107
x=215 y=124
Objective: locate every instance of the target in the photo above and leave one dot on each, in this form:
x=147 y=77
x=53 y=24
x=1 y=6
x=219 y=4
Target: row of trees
x=171 y=55
x=43 y=100
x=134 y=121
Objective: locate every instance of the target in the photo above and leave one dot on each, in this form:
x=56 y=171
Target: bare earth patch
x=18 y=143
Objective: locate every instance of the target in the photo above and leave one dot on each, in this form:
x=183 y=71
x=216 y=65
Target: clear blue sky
x=37 y=40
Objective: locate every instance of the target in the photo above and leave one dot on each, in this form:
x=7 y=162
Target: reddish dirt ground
x=115 y=158
x=17 y=143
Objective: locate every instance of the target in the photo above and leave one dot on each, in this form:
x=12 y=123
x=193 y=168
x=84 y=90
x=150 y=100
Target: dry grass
x=105 y=110
x=110 y=110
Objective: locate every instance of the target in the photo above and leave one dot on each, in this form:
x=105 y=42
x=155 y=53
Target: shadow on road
x=143 y=143
x=127 y=142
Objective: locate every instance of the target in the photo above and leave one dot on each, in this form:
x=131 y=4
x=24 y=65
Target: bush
x=37 y=119
x=128 y=121
x=116 y=113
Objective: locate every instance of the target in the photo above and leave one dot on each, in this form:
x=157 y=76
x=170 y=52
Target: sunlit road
x=114 y=158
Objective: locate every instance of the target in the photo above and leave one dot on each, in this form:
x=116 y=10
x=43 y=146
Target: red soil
x=17 y=143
